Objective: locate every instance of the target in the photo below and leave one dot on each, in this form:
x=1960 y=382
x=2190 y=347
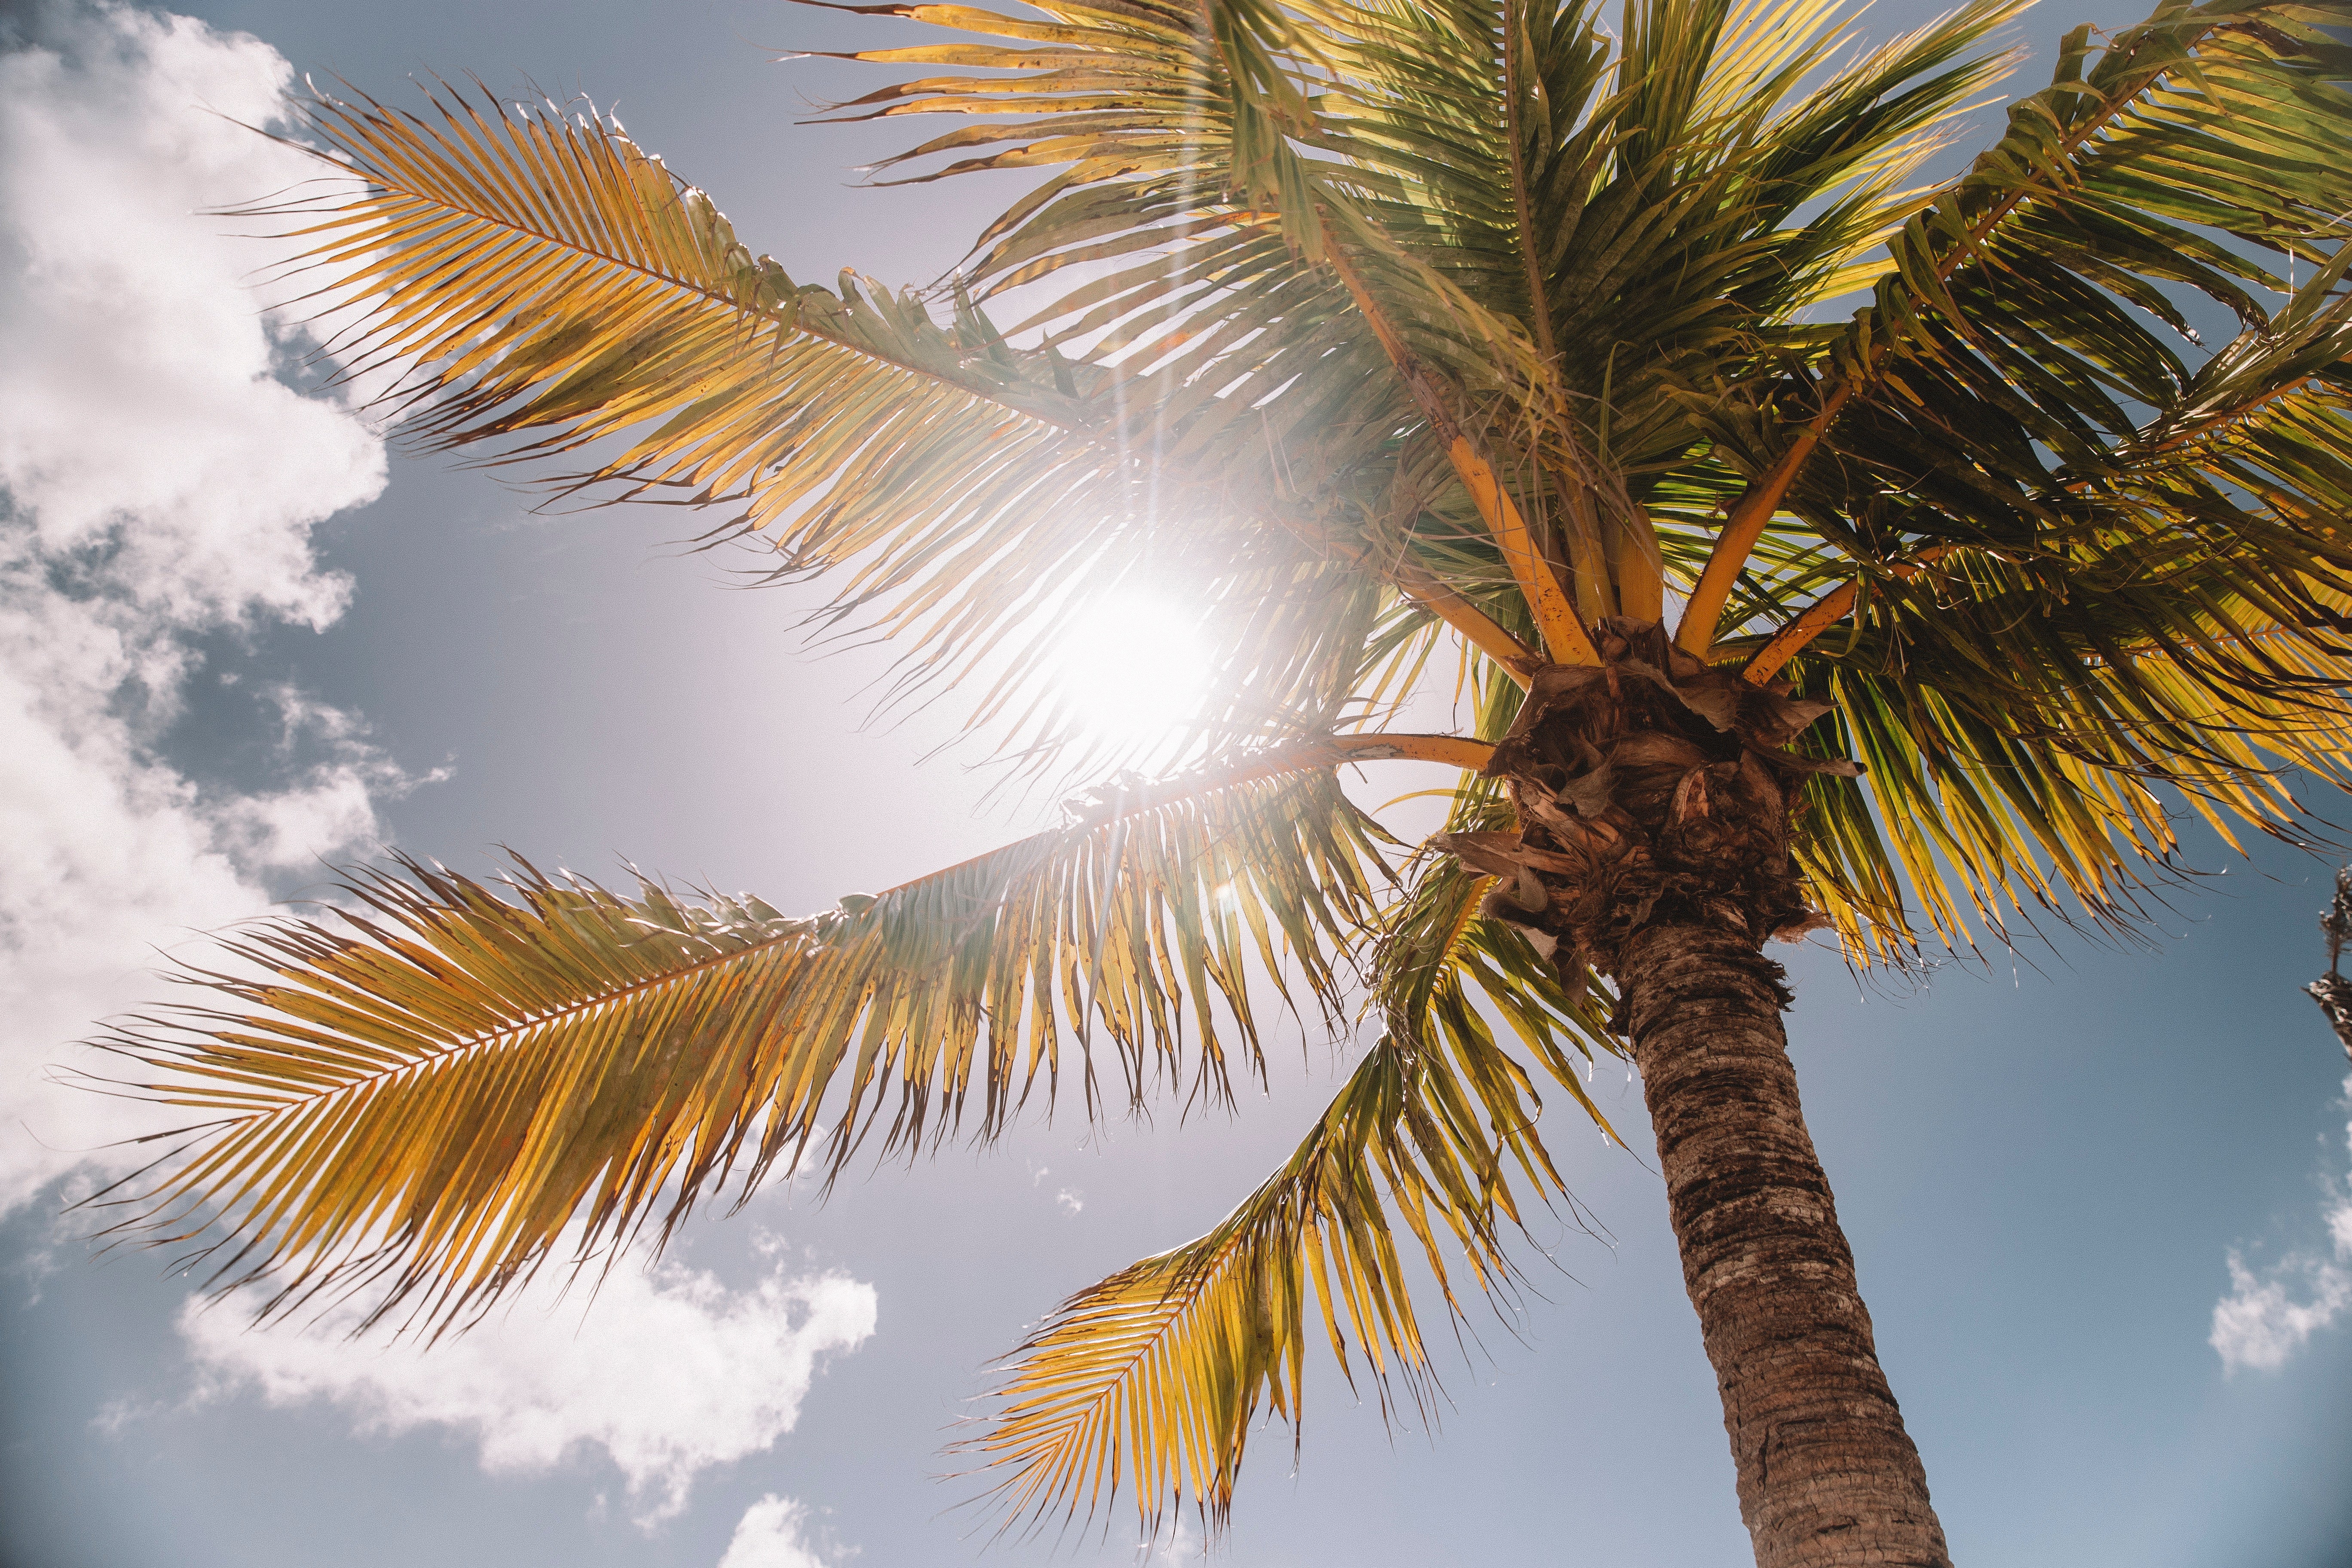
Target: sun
x=1132 y=672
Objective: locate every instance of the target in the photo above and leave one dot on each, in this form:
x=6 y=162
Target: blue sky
x=237 y=635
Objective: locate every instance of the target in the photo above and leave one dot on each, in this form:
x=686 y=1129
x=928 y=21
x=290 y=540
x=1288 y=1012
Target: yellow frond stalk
x=1564 y=635
x=1695 y=632
x=1818 y=617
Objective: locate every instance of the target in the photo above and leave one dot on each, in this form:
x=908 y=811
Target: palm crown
x=1402 y=343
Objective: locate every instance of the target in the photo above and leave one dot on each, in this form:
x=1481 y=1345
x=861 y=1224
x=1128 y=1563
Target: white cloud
x=768 y=1536
x=2268 y=1316
x=1069 y=1202
x=158 y=482
x=1176 y=1541
x=669 y=1372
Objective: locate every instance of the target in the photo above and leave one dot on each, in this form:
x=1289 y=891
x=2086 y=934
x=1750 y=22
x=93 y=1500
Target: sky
x=2100 y=1195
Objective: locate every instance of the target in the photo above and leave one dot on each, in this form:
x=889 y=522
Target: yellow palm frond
x=428 y=1091
x=542 y=274
x=1150 y=1381
x=546 y=284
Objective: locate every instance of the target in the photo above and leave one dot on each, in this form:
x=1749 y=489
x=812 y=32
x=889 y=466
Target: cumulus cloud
x=768 y=1536
x=669 y=1372
x=2269 y=1314
x=160 y=480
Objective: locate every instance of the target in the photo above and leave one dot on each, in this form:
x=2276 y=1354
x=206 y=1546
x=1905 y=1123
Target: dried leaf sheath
x=577 y=1054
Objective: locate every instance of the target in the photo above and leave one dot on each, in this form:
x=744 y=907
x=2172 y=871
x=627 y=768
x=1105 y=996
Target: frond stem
x=1824 y=613
x=1564 y=638
x=1291 y=757
x=2202 y=428
x=1538 y=302
x=1423 y=588
x=1818 y=617
x=1749 y=517
x=1427 y=590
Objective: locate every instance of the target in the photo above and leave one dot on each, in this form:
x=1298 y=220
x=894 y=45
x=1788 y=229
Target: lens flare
x=1133 y=672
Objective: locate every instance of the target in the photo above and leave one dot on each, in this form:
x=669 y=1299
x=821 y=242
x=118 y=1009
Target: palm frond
x=2139 y=586
x=1448 y=225
x=543 y=274
x=547 y=286
x=429 y=1088
x=1150 y=1380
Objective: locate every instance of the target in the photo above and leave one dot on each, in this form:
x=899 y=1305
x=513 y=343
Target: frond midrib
x=489 y=1038
x=701 y=291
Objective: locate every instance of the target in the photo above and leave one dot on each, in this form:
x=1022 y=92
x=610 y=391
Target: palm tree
x=1396 y=344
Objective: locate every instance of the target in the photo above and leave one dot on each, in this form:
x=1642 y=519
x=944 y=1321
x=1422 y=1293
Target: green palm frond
x=1994 y=811
x=2017 y=379
x=2138 y=585
x=1710 y=200
x=583 y=1057
x=1250 y=355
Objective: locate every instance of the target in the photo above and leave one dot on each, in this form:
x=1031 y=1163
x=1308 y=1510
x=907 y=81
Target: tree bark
x=1828 y=1478
x=1657 y=798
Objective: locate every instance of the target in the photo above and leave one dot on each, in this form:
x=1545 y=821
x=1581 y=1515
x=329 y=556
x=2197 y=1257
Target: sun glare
x=1132 y=671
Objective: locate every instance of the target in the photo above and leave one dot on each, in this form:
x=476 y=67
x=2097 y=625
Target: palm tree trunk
x=1656 y=794
x=1827 y=1474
